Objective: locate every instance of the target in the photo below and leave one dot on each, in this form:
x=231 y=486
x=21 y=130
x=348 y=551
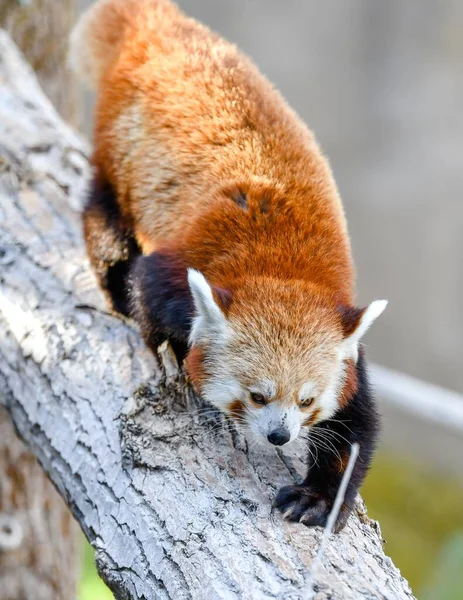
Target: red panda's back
x=182 y=114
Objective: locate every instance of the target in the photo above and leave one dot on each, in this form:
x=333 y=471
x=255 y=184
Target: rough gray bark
x=174 y=502
x=40 y=543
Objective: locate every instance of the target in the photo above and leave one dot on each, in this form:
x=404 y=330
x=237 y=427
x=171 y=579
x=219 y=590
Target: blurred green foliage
x=447 y=578
x=421 y=517
x=91 y=586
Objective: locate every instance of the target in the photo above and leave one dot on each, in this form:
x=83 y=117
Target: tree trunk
x=174 y=502
x=39 y=540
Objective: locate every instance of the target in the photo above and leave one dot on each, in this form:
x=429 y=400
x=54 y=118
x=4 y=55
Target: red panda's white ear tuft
x=356 y=322
x=210 y=322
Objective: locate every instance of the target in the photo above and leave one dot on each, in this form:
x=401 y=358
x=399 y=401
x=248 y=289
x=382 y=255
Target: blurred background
x=381 y=85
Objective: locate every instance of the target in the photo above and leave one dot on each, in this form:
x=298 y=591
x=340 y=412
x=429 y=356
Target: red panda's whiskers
x=335 y=434
x=218 y=429
x=343 y=423
x=237 y=417
x=305 y=435
x=324 y=442
x=214 y=436
x=204 y=411
x=314 y=457
x=317 y=443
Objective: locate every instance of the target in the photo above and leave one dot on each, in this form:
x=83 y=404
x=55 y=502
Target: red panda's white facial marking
x=283 y=367
x=276 y=419
x=307 y=391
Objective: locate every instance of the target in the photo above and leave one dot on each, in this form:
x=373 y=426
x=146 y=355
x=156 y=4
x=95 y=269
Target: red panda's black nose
x=279 y=437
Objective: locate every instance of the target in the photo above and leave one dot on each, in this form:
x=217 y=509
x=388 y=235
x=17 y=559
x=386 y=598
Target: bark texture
x=172 y=499
x=40 y=543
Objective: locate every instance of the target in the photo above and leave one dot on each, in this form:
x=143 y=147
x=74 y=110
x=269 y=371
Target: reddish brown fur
x=312 y=418
x=182 y=119
x=203 y=165
x=208 y=162
x=350 y=317
x=344 y=461
x=237 y=409
x=194 y=364
x=350 y=384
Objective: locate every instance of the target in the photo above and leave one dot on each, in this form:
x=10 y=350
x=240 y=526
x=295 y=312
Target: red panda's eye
x=258 y=399
x=306 y=402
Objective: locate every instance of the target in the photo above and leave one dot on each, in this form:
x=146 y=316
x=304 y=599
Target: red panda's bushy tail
x=97 y=38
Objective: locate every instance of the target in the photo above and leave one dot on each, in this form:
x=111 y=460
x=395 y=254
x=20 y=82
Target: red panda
x=214 y=221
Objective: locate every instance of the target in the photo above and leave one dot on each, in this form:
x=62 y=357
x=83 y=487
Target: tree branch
x=174 y=502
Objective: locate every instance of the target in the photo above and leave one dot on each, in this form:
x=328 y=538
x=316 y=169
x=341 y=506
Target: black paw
x=302 y=504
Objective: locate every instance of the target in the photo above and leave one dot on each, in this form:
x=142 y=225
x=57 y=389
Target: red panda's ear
x=355 y=323
x=211 y=305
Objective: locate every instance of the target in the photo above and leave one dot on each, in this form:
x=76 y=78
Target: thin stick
x=332 y=517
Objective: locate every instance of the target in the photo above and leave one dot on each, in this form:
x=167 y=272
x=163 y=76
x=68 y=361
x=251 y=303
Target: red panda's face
x=276 y=362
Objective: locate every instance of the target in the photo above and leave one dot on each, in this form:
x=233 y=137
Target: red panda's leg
x=160 y=300
x=312 y=500
x=111 y=246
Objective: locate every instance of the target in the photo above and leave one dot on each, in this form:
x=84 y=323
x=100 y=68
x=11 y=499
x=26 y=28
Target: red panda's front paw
x=301 y=503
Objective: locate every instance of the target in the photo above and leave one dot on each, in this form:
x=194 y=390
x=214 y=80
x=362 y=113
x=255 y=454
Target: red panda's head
x=273 y=355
